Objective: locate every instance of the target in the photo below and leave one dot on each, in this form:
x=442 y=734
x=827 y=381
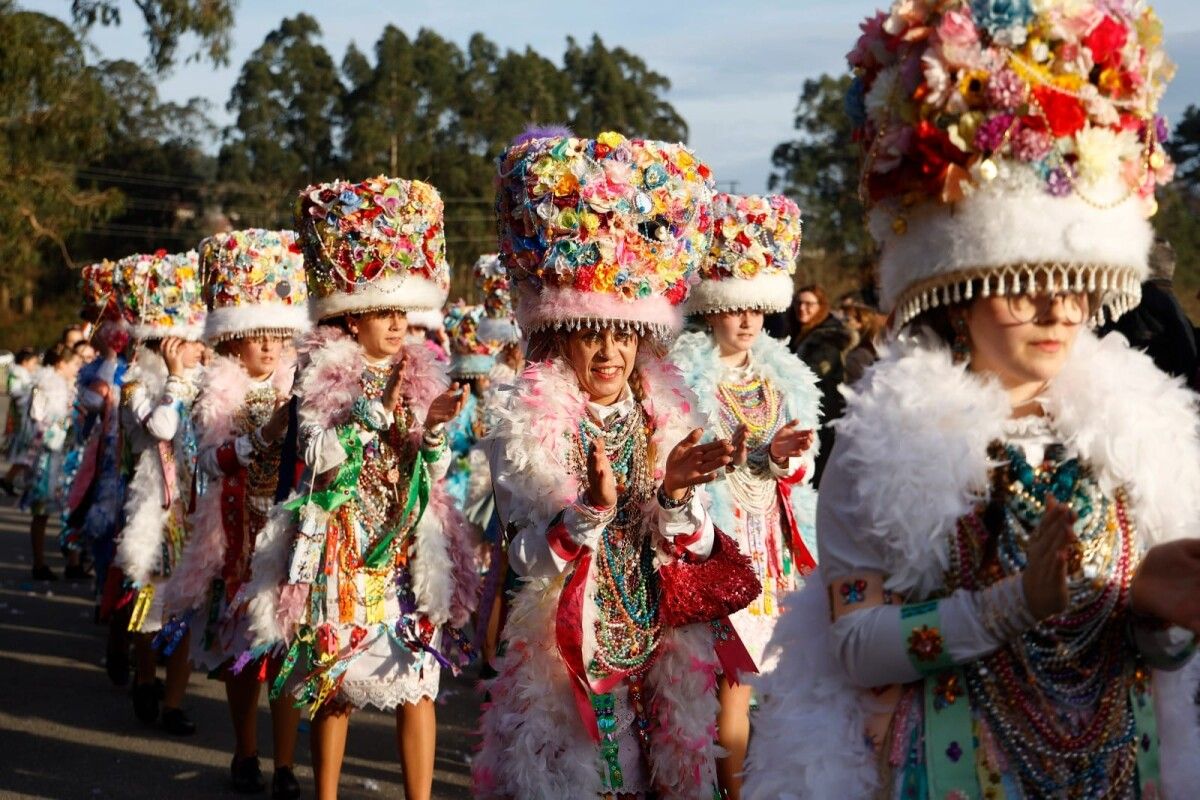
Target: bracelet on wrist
x=666 y=502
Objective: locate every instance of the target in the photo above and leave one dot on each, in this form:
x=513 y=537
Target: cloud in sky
x=736 y=68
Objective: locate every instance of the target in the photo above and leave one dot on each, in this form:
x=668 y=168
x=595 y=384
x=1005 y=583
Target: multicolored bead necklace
x=1057 y=697
x=627 y=627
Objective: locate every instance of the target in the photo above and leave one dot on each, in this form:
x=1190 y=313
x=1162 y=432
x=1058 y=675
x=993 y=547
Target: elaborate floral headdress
x=253 y=284
x=498 y=323
x=160 y=295
x=1010 y=143
x=99 y=295
x=471 y=355
x=372 y=246
x=756 y=241
x=602 y=231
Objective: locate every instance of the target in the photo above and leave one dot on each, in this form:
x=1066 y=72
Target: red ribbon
x=731 y=651
x=801 y=557
x=568 y=634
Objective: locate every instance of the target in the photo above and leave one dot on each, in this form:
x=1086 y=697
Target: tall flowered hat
x=471 y=355
x=1010 y=142
x=253 y=284
x=605 y=230
x=99 y=296
x=160 y=295
x=498 y=323
x=372 y=246
x=756 y=241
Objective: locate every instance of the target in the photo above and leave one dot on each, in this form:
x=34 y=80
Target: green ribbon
x=950 y=743
x=418 y=493
x=921 y=632
x=1141 y=700
x=344 y=483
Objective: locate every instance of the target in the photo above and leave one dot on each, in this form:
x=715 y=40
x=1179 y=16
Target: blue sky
x=735 y=67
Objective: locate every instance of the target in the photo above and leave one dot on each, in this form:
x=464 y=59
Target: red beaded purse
x=700 y=591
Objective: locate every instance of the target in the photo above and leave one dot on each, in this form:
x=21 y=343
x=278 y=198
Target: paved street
x=66 y=732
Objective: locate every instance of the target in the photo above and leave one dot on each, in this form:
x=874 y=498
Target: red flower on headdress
x=1064 y=113
x=1106 y=41
x=677 y=292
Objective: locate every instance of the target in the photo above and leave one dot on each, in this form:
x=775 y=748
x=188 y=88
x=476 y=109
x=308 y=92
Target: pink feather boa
x=333 y=365
x=533 y=742
x=222 y=393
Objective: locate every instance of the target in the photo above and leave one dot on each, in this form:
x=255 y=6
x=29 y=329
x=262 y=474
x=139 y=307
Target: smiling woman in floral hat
x=604 y=689
x=367 y=575
x=766 y=401
x=1009 y=583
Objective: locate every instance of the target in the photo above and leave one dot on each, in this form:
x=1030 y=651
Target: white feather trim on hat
x=768 y=292
x=409 y=293
x=430 y=319
x=1011 y=231
x=233 y=322
x=495 y=329
x=192 y=333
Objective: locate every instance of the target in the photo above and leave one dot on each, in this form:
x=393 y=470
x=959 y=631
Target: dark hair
x=57 y=354
x=69 y=330
x=24 y=354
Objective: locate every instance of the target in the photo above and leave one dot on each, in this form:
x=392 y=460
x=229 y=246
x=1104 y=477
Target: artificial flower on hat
x=1016 y=142
x=160 y=295
x=608 y=230
x=471 y=355
x=755 y=244
x=498 y=323
x=99 y=297
x=254 y=283
x=372 y=246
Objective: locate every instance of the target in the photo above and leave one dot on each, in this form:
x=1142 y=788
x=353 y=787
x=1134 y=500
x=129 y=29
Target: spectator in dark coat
x=1159 y=325
x=820 y=340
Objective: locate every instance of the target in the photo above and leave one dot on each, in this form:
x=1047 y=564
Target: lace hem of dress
x=386 y=696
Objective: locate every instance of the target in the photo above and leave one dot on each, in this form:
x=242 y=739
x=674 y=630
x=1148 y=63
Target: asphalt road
x=67 y=732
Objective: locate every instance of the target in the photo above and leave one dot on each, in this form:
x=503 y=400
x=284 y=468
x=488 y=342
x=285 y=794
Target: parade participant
x=498 y=326
x=755 y=393
x=20 y=432
x=161 y=302
x=49 y=413
x=1008 y=590
x=603 y=690
x=366 y=576
x=471 y=360
x=96 y=489
x=255 y=291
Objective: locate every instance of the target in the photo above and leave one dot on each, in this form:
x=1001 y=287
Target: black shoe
x=75 y=572
x=246 y=775
x=145 y=703
x=176 y=722
x=284 y=785
x=44 y=573
x=8 y=487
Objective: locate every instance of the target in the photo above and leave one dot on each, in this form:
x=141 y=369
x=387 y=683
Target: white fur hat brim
x=494 y=329
x=192 y=333
x=408 y=293
x=429 y=319
x=1010 y=231
x=767 y=292
x=233 y=322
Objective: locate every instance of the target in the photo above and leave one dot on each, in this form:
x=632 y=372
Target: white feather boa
x=139 y=546
x=915 y=434
x=534 y=745
x=698 y=356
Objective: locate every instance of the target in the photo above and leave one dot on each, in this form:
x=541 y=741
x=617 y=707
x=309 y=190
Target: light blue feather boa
x=698 y=359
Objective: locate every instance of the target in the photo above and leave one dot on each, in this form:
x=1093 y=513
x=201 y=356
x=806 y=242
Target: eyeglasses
x=1032 y=307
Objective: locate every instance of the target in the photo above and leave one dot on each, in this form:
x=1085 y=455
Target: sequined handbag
x=700 y=591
